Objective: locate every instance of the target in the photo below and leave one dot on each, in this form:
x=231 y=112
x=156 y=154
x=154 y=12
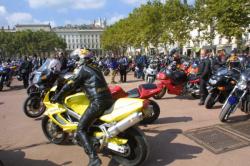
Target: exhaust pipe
x=124 y=124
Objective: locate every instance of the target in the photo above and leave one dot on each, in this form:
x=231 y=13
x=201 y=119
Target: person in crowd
x=35 y=62
x=25 y=70
x=55 y=63
x=64 y=61
x=91 y=80
x=220 y=60
x=140 y=62
x=204 y=73
x=114 y=68
x=123 y=66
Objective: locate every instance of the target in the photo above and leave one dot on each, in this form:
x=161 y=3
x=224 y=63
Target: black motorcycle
x=220 y=85
x=240 y=96
x=5 y=76
x=41 y=81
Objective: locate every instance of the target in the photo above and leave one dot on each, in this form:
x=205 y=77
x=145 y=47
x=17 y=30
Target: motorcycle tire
x=31 y=89
x=138 y=145
x=46 y=121
x=161 y=94
x=195 y=96
x=8 y=84
x=225 y=112
x=31 y=104
x=210 y=101
x=156 y=113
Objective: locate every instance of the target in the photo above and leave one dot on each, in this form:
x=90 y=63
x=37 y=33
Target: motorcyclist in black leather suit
x=89 y=78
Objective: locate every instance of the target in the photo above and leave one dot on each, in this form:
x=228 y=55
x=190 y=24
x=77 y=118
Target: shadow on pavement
x=173 y=120
x=13 y=88
x=239 y=118
x=164 y=152
x=216 y=107
x=1 y=103
x=180 y=98
x=17 y=158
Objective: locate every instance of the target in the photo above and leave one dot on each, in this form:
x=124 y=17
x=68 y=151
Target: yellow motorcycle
x=115 y=132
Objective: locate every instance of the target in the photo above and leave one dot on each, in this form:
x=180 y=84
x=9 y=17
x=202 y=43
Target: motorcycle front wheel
x=33 y=107
x=226 y=111
x=210 y=100
x=155 y=115
x=53 y=132
x=161 y=94
x=138 y=148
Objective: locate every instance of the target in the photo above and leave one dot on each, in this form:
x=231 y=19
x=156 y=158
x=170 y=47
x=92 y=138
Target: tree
x=176 y=22
x=231 y=16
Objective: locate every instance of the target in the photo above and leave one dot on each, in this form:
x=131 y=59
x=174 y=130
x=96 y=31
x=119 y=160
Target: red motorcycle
x=144 y=91
x=177 y=82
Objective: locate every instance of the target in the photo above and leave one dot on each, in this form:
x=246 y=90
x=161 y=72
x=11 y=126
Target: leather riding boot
x=88 y=148
x=202 y=100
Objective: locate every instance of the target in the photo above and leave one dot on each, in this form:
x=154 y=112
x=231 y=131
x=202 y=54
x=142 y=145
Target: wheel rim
x=34 y=105
x=53 y=131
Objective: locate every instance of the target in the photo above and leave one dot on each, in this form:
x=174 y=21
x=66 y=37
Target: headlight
x=212 y=81
x=242 y=85
x=36 y=79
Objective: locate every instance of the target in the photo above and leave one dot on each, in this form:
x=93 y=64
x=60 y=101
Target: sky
x=62 y=12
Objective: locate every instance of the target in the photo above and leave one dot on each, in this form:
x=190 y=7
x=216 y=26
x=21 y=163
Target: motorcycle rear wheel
x=33 y=107
x=51 y=131
x=138 y=146
x=161 y=94
x=225 y=112
x=155 y=115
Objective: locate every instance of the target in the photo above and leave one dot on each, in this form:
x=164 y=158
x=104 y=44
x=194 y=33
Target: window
x=69 y=40
x=77 y=40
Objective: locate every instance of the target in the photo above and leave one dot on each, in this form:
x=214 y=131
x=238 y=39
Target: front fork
x=240 y=99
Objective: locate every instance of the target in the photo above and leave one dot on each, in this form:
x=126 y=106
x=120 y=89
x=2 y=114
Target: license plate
x=232 y=100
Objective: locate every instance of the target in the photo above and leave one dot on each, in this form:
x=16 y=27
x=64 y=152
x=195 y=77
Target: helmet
x=81 y=54
x=84 y=53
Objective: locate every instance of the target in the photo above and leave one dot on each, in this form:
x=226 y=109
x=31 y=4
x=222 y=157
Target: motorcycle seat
x=121 y=109
x=148 y=86
x=134 y=93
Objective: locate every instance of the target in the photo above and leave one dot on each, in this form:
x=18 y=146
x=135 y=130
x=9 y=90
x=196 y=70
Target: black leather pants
x=93 y=112
x=203 y=89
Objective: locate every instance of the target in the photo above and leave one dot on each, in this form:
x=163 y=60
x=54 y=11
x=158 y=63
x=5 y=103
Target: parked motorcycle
x=5 y=76
x=144 y=91
x=220 y=85
x=41 y=81
x=151 y=71
x=176 y=82
x=240 y=95
x=114 y=132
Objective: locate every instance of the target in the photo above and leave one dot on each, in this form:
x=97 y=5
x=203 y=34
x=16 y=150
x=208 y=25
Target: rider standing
x=89 y=78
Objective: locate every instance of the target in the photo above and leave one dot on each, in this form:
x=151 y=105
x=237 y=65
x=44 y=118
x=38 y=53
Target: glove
x=55 y=99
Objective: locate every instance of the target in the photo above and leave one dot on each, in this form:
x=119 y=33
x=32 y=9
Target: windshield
x=45 y=65
x=222 y=71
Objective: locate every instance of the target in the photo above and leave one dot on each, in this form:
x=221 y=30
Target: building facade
x=81 y=38
x=75 y=36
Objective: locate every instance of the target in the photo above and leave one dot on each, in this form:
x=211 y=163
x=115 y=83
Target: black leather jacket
x=205 y=69
x=91 y=80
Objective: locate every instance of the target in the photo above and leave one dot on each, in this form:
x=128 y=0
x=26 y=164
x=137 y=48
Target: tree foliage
x=29 y=42
x=171 y=22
